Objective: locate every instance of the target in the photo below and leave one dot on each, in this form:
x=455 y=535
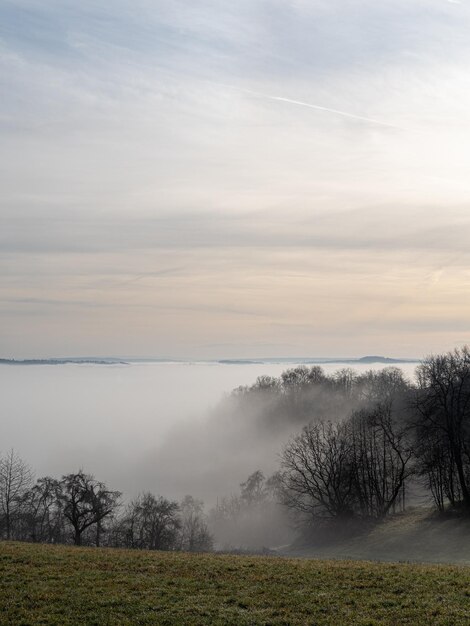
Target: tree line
x=366 y=440
x=368 y=437
x=81 y=510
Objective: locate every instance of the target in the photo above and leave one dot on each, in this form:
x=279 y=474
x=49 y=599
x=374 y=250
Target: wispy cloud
x=164 y=160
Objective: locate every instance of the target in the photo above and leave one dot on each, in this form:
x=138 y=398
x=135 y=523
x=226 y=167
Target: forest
x=360 y=447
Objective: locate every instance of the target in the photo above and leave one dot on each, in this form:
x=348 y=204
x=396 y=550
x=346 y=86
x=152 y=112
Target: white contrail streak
x=317 y=107
x=328 y=110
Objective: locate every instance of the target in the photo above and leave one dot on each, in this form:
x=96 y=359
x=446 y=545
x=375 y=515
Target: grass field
x=418 y=535
x=81 y=586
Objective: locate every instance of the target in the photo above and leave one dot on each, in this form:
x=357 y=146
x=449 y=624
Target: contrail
x=335 y=111
x=317 y=107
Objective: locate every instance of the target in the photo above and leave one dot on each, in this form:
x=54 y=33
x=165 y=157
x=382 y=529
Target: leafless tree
x=43 y=518
x=437 y=470
x=86 y=502
x=381 y=461
x=253 y=490
x=443 y=415
x=151 y=523
x=317 y=471
x=15 y=479
x=194 y=532
x=357 y=467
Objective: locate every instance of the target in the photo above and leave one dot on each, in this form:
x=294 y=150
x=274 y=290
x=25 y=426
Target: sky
x=203 y=179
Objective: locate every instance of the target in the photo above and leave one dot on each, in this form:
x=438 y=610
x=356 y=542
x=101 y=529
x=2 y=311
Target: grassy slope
x=417 y=535
x=66 y=585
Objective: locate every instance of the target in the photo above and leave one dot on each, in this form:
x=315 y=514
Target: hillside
x=418 y=535
x=81 y=586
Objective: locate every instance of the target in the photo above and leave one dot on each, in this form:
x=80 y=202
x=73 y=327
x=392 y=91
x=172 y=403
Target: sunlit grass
x=65 y=585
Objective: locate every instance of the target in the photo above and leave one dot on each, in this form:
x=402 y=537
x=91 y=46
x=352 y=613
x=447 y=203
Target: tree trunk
x=461 y=474
x=8 y=525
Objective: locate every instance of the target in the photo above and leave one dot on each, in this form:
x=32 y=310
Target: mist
x=164 y=427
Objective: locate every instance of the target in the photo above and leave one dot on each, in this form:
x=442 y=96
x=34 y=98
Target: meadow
x=63 y=585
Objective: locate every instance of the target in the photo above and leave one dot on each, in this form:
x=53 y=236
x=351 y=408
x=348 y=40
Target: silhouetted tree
x=443 y=419
x=86 y=502
x=253 y=490
x=357 y=467
x=381 y=461
x=43 y=517
x=194 y=532
x=317 y=471
x=152 y=522
x=15 y=479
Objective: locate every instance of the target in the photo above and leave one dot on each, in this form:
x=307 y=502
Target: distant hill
x=383 y=359
x=281 y=360
x=78 y=361
x=319 y=360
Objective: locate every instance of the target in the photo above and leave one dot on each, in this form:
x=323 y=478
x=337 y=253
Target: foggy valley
x=218 y=437
x=234 y=313
x=152 y=426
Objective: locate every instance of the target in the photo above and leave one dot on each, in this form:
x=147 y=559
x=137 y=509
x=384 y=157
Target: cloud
x=134 y=180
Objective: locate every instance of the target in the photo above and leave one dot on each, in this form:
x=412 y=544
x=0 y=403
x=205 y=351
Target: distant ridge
x=241 y=362
x=383 y=359
x=318 y=361
x=280 y=360
x=76 y=361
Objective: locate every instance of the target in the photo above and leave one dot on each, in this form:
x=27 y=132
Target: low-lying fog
x=151 y=426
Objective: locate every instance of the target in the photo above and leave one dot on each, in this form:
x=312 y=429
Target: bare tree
x=381 y=461
x=387 y=386
x=44 y=519
x=436 y=469
x=253 y=490
x=152 y=523
x=15 y=479
x=86 y=502
x=443 y=410
x=357 y=467
x=194 y=532
x=317 y=471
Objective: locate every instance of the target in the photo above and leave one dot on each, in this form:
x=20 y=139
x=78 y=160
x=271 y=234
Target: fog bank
x=149 y=426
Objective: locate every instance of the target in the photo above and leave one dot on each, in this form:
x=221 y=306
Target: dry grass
x=81 y=586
